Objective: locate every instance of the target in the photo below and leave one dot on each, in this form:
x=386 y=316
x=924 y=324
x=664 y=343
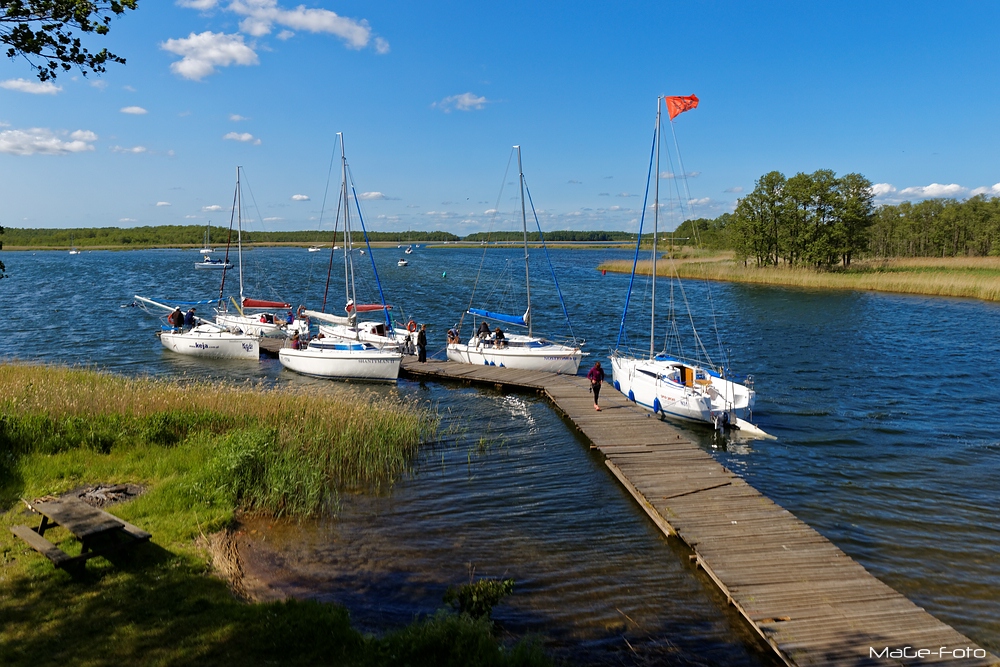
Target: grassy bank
x=202 y=452
x=973 y=277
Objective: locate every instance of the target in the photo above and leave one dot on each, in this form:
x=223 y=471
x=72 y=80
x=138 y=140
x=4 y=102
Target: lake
x=884 y=408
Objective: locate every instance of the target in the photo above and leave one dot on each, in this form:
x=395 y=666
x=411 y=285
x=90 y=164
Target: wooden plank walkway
x=809 y=601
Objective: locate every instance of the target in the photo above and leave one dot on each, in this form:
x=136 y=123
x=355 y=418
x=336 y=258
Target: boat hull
x=661 y=386
x=369 y=364
x=520 y=355
x=374 y=333
x=211 y=344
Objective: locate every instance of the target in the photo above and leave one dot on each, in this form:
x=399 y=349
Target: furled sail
x=520 y=320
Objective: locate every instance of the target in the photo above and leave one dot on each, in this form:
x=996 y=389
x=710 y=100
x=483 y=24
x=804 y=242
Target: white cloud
x=235 y=117
x=300 y=197
x=262 y=15
x=135 y=111
x=43 y=141
x=202 y=53
x=127 y=220
x=882 y=189
x=371 y=195
x=245 y=137
x=671 y=175
x=33 y=87
x=273 y=219
x=463 y=102
x=212 y=209
x=933 y=190
x=203 y=5
x=135 y=149
x=993 y=190
x=734 y=190
x=699 y=202
x=192 y=217
x=163 y=203
x=285 y=35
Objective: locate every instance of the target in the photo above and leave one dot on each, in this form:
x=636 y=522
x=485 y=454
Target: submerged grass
x=203 y=452
x=971 y=277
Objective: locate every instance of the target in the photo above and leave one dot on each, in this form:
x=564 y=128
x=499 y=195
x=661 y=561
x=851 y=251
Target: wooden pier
x=809 y=601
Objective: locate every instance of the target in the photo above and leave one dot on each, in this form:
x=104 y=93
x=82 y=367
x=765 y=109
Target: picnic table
x=99 y=532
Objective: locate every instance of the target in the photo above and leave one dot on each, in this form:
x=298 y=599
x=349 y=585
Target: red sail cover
x=258 y=303
x=678 y=105
x=365 y=307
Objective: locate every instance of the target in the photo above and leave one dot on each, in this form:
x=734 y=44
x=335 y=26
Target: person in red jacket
x=596 y=377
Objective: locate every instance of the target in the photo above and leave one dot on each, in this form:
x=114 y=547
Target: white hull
x=210 y=343
x=521 y=353
x=374 y=333
x=213 y=265
x=351 y=361
x=681 y=391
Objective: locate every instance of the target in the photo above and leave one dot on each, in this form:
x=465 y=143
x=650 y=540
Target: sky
x=430 y=98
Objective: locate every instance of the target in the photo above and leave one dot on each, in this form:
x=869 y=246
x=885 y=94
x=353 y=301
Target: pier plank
x=805 y=598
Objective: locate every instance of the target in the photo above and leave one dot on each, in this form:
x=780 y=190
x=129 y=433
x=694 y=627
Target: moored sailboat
x=346 y=356
x=672 y=384
x=521 y=351
x=205 y=339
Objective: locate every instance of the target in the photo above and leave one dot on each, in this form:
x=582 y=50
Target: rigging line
x=229 y=241
x=638 y=241
x=333 y=245
x=260 y=272
x=552 y=270
x=482 y=260
x=381 y=295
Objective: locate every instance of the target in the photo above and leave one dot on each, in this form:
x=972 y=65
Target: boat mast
x=347 y=212
x=524 y=227
x=656 y=219
x=239 y=230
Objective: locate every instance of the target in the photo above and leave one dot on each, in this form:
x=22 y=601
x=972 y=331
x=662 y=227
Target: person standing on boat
x=189 y=319
x=176 y=318
x=422 y=344
x=484 y=330
x=596 y=377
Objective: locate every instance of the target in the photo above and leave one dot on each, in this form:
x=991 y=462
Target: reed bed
x=266 y=450
x=970 y=277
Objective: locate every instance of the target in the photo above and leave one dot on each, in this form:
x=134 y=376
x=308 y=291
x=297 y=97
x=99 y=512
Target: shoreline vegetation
x=965 y=277
x=204 y=453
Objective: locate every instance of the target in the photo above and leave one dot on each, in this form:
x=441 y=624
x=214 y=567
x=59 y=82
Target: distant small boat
x=209 y=263
x=409 y=250
x=315 y=248
x=402 y=262
x=72 y=248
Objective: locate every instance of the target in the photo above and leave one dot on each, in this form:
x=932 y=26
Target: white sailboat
x=670 y=383
x=72 y=248
x=254 y=316
x=520 y=351
x=209 y=263
x=345 y=356
x=206 y=339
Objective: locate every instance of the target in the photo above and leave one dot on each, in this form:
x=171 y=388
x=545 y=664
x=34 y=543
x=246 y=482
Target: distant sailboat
x=72 y=248
x=207 y=248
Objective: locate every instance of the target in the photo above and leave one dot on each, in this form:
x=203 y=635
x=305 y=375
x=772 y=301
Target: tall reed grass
x=972 y=277
x=279 y=451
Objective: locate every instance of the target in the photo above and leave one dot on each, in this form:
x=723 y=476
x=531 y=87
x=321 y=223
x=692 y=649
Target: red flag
x=678 y=105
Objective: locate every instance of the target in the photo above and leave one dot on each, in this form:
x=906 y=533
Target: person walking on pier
x=422 y=344
x=596 y=377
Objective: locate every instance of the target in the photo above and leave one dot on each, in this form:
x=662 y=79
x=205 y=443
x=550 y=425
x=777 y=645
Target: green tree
x=2 y=267
x=855 y=212
x=42 y=32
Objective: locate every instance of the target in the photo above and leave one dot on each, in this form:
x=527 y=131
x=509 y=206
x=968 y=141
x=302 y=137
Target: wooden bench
x=99 y=532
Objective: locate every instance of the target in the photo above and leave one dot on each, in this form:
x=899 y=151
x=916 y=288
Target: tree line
x=821 y=220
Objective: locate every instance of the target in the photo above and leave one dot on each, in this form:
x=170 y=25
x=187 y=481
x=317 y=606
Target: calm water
x=883 y=405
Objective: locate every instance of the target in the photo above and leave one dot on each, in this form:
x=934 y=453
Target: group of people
x=484 y=334
x=180 y=320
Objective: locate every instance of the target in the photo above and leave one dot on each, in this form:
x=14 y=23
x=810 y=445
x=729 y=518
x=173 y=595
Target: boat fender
x=631 y=395
x=617 y=385
x=656 y=406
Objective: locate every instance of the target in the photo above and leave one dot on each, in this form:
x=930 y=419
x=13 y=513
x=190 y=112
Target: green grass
x=203 y=453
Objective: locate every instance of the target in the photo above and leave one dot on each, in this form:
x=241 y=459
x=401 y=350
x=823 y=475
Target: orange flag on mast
x=678 y=105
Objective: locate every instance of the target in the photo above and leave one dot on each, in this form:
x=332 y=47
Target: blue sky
x=431 y=97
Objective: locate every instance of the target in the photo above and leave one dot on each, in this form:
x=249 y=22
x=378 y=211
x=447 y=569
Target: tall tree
x=42 y=32
x=855 y=211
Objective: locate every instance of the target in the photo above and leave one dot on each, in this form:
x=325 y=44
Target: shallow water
x=883 y=406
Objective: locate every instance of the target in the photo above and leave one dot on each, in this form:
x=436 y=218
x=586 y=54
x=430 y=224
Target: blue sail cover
x=511 y=319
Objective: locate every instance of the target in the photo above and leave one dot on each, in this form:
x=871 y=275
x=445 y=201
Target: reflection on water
x=883 y=405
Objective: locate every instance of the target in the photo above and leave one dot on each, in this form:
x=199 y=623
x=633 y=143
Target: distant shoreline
x=576 y=245
x=964 y=277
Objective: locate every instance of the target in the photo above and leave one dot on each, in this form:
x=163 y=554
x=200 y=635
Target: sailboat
x=670 y=383
x=345 y=356
x=520 y=351
x=259 y=322
x=72 y=248
x=206 y=339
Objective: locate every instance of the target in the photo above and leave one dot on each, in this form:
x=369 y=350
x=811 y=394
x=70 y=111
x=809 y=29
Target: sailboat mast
x=347 y=212
x=239 y=230
x=524 y=228
x=656 y=220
